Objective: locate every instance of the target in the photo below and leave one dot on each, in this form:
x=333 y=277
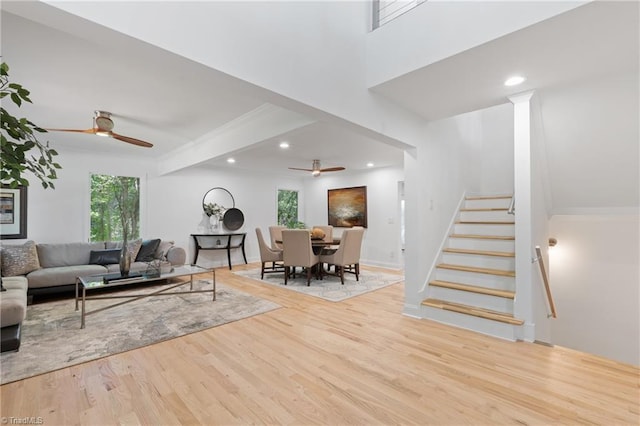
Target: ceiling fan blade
x=131 y=140
x=91 y=131
x=332 y=169
x=305 y=170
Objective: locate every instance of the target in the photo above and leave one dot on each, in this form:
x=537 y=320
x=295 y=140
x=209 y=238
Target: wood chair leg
x=308 y=277
x=286 y=274
x=342 y=275
x=357 y=272
x=262 y=271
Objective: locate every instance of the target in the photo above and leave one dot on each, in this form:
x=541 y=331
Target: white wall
x=595 y=276
x=171 y=205
x=470 y=153
x=595 y=280
x=381 y=244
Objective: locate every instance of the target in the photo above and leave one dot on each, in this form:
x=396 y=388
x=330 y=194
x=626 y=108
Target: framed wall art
x=347 y=206
x=13 y=212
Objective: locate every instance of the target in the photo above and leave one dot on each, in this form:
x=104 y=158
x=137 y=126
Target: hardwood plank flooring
x=359 y=361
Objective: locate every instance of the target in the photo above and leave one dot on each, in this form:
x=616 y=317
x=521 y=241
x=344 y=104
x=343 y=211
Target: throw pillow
x=19 y=259
x=163 y=249
x=132 y=246
x=104 y=257
x=147 y=251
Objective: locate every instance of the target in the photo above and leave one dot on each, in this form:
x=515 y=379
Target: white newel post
x=523 y=306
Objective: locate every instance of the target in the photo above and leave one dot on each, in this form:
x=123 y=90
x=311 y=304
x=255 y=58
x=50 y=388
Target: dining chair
x=347 y=257
x=328 y=232
x=275 y=232
x=298 y=252
x=267 y=254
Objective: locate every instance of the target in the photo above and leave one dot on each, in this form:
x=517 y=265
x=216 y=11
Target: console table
x=220 y=241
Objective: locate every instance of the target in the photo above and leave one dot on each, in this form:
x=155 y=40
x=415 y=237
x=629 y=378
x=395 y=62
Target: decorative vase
x=215 y=224
x=205 y=224
x=125 y=259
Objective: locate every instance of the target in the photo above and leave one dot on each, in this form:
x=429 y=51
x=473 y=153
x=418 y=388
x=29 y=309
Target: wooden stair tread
x=488 y=197
x=507 y=294
x=484 y=222
x=487 y=209
x=484 y=237
x=473 y=310
x=480 y=252
x=489 y=271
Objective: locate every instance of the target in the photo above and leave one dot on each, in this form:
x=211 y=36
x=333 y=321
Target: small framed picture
x=13 y=212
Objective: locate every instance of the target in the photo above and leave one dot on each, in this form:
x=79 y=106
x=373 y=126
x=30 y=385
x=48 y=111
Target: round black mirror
x=218 y=197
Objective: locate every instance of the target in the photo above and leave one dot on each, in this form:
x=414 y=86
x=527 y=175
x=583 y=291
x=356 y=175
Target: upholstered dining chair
x=275 y=232
x=347 y=257
x=328 y=232
x=298 y=252
x=267 y=254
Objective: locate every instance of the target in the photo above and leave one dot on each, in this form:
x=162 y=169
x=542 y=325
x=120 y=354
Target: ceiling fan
x=316 y=169
x=103 y=126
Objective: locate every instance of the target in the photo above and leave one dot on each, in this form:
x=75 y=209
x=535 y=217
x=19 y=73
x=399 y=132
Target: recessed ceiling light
x=231 y=160
x=514 y=81
x=284 y=145
x=370 y=164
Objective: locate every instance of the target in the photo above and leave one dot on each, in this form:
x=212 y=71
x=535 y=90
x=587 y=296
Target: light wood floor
x=314 y=362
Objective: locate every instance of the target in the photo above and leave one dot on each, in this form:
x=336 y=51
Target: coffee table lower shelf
x=94 y=282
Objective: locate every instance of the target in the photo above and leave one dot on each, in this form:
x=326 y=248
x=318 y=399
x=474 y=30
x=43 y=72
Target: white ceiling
x=171 y=101
x=175 y=102
x=585 y=43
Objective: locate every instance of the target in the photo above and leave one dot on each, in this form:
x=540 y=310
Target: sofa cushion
x=163 y=249
x=19 y=259
x=104 y=257
x=66 y=254
x=148 y=250
x=13 y=302
x=133 y=247
x=62 y=275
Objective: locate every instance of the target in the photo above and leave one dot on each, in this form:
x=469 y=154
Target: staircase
x=473 y=285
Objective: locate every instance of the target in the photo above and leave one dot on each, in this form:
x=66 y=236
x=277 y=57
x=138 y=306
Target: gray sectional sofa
x=54 y=267
x=13 y=309
x=29 y=269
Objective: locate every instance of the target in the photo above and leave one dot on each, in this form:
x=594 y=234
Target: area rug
x=52 y=338
x=329 y=288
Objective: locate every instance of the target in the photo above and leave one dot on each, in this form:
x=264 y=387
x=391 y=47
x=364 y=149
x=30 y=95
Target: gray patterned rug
x=52 y=338
x=329 y=288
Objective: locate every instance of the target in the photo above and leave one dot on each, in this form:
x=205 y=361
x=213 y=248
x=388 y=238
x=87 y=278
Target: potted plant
x=18 y=138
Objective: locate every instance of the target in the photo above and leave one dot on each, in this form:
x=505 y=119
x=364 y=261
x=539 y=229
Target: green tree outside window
x=115 y=208
x=288 y=208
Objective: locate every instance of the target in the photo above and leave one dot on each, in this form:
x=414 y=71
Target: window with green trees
x=287 y=208
x=115 y=208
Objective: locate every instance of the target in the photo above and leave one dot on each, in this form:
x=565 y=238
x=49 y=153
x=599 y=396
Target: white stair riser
x=473 y=229
x=501 y=216
x=494 y=303
x=480 y=261
x=472 y=278
x=485 y=204
x=480 y=244
x=469 y=322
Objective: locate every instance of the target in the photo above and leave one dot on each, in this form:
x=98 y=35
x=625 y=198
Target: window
x=115 y=206
x=287 y=208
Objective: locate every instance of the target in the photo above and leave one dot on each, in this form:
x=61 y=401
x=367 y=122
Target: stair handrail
x=512 y=206
x=545 y=279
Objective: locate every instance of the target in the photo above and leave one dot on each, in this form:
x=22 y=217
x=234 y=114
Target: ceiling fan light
x=315 y=173
x=103 y=133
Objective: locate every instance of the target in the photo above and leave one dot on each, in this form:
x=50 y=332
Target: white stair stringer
x=473 y=284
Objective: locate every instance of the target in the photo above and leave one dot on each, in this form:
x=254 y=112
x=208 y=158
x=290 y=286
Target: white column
x=523 y=306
